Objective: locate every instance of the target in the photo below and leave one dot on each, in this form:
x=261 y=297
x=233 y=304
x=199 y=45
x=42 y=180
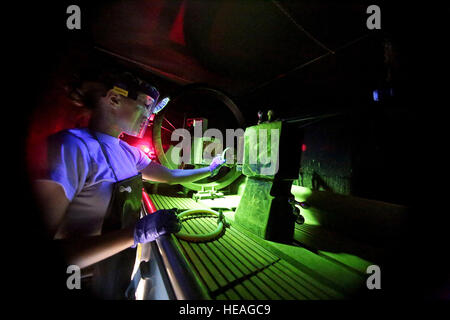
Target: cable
x=202 y=237
x=287 y=73
x=306 y=118
x=309 y=35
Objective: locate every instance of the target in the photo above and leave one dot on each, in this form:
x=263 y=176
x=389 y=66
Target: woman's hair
x=86 y=87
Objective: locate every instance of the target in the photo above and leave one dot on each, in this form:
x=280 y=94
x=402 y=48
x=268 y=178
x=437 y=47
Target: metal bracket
x=207 y=194
x=296 y=211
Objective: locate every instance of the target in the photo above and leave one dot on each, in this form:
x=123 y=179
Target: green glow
x=241 y=188
x=241 y=265
x=302 y=194
x=209 y=236
x=353 y=261
x=225 y=202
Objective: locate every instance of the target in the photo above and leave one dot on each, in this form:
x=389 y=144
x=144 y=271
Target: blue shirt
x=77 y=163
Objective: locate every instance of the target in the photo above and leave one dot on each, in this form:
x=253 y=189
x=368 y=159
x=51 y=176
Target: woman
x=91 y=194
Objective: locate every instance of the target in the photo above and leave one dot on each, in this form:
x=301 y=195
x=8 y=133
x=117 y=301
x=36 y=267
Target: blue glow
x=375 y=95
x=161 y=105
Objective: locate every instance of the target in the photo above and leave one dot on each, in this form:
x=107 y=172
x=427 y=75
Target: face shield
x=145 y=101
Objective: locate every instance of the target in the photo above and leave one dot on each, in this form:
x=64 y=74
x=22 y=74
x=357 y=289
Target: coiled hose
x=221 y=224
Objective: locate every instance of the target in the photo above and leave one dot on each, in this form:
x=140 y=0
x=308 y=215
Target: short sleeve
x=68 y=162
x=140 y=158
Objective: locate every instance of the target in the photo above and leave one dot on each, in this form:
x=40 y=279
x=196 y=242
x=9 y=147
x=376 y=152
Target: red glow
x=144 y=146
x=176 y=33
x=148 y=202
x=147 y=148
x=54 y=113
x=303 y=147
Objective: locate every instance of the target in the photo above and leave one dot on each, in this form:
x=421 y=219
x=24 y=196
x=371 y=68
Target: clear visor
x=139 y=122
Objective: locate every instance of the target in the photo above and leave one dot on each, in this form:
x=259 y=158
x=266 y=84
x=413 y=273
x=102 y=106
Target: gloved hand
x=154 y=225
x=215 y=165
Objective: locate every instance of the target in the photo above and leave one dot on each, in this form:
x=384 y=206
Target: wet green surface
x=239 y=265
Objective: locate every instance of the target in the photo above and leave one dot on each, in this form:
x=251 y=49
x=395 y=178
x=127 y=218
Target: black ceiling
x=238 y=45
x=261 y=52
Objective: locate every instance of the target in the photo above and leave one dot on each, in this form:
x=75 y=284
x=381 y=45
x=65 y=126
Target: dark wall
x=372 y=154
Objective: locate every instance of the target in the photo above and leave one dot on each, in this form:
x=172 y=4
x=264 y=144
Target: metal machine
x=242 y=230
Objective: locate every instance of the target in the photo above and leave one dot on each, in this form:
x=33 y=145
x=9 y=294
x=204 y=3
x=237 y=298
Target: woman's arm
x=83 y=251
x=159 y=173
x=86 y=251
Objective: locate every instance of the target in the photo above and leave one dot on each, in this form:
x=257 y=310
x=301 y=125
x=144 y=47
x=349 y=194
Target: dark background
x=395 y=148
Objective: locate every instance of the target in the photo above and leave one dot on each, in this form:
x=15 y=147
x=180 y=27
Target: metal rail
x=183 y=282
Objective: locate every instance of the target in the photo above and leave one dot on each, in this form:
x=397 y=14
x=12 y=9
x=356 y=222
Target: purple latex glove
x=215 y=165
x=154 y=225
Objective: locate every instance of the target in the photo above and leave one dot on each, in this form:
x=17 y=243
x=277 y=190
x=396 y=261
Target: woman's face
x=132 y=115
